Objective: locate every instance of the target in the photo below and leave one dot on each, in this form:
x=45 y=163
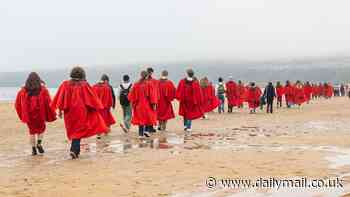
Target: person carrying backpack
x=220 y=92
x=125 y=88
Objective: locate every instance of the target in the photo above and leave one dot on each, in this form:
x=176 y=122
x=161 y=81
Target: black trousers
x=150 y=128
x=75 y=146
x=230 y=108
x=279 y=101
x=143 y=129
x=269 y=108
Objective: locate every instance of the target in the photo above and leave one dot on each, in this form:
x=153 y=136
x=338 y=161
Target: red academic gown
x=328 y=89
x=81 y=109
x=253 y=97
x=166 y=96
x=209 y=100
x=321 y=89
x=314 y=90
x=189 y=94
x=142 y=96
x=155 y=88
x=289 y=93
x=35 y=110
x=280 y=91
x=241 y=94
x=307 y=92
x=299 y=95
x=104 y=93
x=232 y=93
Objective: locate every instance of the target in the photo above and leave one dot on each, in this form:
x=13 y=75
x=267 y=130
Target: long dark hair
x=33 y=84
x=78 y=74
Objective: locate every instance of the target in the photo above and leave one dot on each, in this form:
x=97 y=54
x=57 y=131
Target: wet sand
x=309 y=142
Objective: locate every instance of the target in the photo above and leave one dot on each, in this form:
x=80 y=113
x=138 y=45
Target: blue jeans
x=222 y=103
x=142 y=130
x=127 y=116
x=187 y=124
x=75 y=146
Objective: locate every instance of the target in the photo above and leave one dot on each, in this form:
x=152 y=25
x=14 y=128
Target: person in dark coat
x=269 y=94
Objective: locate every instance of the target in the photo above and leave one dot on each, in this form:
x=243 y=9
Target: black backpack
x=123 y=96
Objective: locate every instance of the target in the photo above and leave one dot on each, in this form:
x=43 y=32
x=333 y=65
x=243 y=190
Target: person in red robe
x=253 y=97
x=321 y=90
x=328 y=90
x=80 y=106
x=314 y=91
x=232 y=94
x=289 y=94
x=33 y=108
x=210 y=101
x=299 y=94
x=189 y=94
x=155 y=88
x=143 y=99
x=308 y=91
x=279 y=93
x=105 y=93
x=167 y=92
x=241 y=90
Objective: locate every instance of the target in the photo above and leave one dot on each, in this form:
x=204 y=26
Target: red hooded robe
x=155 y=88
x=35 y=110
x=280 y=91
x=314 y=90
x=321 y=90
x=299 y=95
x=104 y=93
x=253 y=97
x=81 y=109
x=210 y=101
x=241 y=94
x=232 y=93
x=142 y=96
x=328 y=89
x=190 y=97
x=308 y=92
x=289 y=93
x=166 y=96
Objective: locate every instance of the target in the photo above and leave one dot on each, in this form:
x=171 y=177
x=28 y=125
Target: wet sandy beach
x=309 y=142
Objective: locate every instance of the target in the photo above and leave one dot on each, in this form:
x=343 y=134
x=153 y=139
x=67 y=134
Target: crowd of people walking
x=147 y=103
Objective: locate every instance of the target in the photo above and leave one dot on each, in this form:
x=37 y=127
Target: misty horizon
x=57 y=34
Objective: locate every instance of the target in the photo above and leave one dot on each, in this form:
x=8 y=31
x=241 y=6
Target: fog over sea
x=324 y=69
x=9 y=93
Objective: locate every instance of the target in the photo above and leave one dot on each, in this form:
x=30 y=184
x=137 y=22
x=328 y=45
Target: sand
x=308 y=142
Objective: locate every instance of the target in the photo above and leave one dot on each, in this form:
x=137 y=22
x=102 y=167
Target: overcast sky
x=58 y=33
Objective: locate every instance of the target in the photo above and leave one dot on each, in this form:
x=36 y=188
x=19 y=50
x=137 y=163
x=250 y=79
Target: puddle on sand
x=113 y=146
x=323 y=126
x=90 y=150
x=340 y=159
x=175 y=139
x=337 y=158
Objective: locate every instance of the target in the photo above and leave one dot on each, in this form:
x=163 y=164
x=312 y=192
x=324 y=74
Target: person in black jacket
x=269 y=94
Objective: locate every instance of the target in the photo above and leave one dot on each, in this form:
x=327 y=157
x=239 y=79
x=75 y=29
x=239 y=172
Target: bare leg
x=39 y=143
x=32 y=142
